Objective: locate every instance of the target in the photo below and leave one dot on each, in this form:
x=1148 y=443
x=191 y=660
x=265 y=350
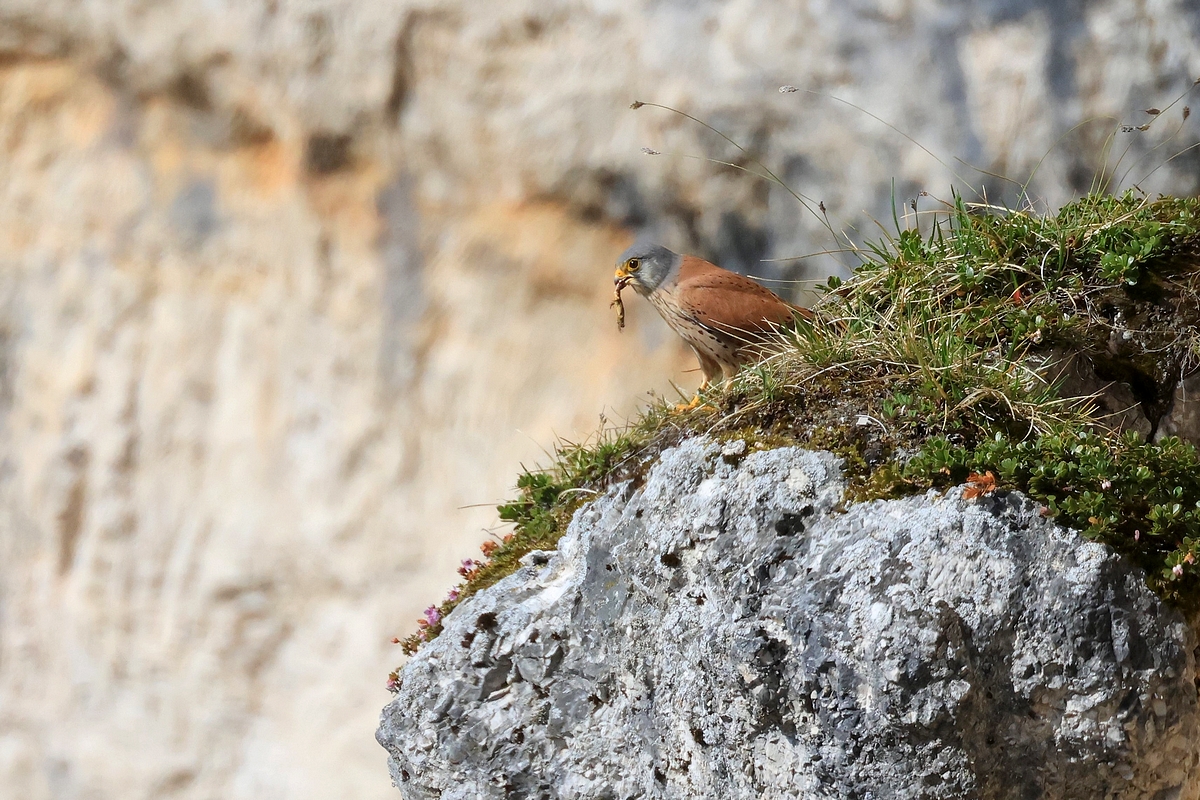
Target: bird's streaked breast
x=720 y=348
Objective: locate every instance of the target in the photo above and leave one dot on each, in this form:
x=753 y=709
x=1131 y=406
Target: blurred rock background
x=288 y=289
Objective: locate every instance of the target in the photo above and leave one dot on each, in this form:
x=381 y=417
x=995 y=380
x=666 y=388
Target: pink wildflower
x=1178 y=570
x=432 y=616
x=452 y=596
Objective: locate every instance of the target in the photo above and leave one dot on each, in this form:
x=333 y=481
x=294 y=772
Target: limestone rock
x=722 y=631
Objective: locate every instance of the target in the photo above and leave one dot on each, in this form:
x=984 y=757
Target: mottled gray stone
x=722 y=631
x=1183 y=417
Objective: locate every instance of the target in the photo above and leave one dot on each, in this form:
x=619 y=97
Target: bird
x=726 y=318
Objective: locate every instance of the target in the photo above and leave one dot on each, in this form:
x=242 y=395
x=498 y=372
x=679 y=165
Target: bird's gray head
x=645 y=267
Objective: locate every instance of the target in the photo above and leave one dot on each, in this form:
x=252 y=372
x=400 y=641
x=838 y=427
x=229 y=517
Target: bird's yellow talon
x=696 y=401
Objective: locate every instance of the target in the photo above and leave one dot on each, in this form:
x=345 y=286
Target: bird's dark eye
x=634 y=264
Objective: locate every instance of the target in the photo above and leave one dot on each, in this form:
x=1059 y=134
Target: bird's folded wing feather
x=730 y=303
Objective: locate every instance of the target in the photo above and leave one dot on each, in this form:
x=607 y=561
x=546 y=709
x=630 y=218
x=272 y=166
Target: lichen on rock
x=716 y=629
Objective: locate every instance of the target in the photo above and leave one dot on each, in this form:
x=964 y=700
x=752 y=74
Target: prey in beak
x=620 y=281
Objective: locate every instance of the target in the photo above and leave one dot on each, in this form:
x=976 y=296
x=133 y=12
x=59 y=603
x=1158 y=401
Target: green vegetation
x=943 y=360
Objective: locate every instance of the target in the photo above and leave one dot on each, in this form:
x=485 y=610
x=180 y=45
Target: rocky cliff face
x=285 y=286
x=719 y=631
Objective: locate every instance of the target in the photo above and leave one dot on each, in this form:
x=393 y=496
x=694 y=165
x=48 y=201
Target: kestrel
x=724 y=317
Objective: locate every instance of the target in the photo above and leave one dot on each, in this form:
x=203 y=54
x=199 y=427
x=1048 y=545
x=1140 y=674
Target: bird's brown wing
x=732 y=304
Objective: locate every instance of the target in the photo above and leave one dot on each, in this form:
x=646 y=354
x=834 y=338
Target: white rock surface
x=721 y=631
x=284 y=285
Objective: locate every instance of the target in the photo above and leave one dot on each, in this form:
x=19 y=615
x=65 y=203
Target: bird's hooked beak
x=622 y=278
